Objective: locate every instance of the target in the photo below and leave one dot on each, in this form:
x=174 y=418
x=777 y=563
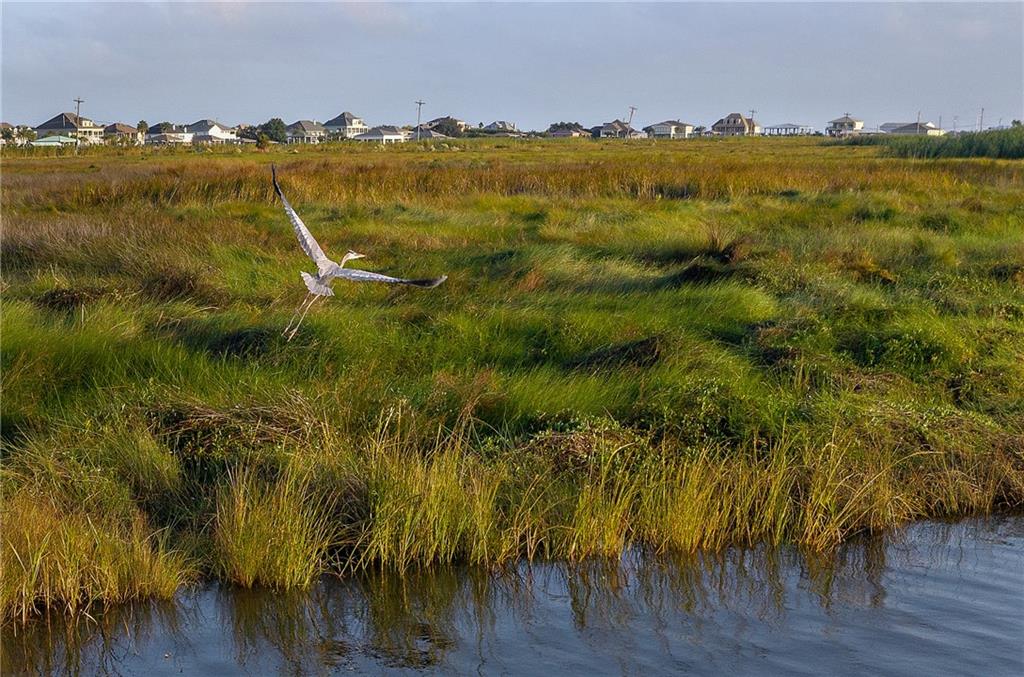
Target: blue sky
x=529 y=63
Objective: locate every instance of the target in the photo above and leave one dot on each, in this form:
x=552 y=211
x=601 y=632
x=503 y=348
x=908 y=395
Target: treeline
x=1006 y=144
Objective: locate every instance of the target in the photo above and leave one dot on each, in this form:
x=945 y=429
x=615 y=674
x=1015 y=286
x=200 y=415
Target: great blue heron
x=320 y=285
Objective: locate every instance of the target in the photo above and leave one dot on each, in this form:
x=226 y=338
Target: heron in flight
x=319 y=286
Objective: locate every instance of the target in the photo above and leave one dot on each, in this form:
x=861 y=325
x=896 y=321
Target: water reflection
x=763 y=607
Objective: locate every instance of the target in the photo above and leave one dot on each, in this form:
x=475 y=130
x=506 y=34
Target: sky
x=532 y=64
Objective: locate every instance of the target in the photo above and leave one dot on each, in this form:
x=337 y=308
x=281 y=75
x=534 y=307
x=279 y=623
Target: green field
x=676 y=345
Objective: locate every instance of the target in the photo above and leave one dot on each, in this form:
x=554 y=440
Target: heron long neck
x=345 y=259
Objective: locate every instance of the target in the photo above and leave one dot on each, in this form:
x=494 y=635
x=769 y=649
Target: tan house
x=844 y=126
x=736 y=124
x=670 y=129
x=119 y=132
x=70 y=124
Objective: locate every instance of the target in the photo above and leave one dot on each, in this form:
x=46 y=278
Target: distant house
x=384 y=134
x=446 y=119
x=789 y=129
x=889 y=126
x=9 y=130
x=616 y=129
x=423 y=134
x=736 y=124
x=345 y=126
x=70 y=124
x=166 y=134
x=670 y=129
x=122 y=133
x=306 y=131
x=917 y=129
x=567 y=130
x=211 y=132
x=501 y=126
x=844 y=126
x=55 y=141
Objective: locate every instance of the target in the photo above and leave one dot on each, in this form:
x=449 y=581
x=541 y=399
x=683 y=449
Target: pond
x=933 y=598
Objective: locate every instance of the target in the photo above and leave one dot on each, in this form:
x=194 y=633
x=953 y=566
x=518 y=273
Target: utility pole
x=955 y=119
x=419 y=107
x=752 y=111
x=981 y=119
x=632 y=109
x=78 y=106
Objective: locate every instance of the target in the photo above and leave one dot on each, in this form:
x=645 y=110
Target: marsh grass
x=678 y=346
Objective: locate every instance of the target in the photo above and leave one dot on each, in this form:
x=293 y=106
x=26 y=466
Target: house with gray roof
x=119 y=132
x=788 y=129
x=844 y=126
x=669 y=129
x=916 y=129
x=345 y=126
x=736 y=124
x=384 y=134
x=616 y=129
x=70 y=124
x=306 y=131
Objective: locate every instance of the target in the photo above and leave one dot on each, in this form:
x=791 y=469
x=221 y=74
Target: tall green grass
x=1003 y=144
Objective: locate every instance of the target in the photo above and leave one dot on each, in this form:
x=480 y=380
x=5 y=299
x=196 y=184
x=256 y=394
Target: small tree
x=142 y=126
x=7 y=133
x=27 y=133
x=1016 y=123
x=262 y=141
x=275 y=130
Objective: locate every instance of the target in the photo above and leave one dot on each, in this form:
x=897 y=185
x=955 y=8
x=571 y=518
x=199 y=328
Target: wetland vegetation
x=676 y=346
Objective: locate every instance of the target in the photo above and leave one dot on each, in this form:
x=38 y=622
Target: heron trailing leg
x=303 y=316
x=296 y=313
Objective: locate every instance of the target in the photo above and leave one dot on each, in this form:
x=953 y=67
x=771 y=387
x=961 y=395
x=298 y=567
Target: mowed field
x=675 y=345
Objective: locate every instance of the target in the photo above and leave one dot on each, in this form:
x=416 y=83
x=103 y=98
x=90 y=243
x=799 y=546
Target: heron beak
x=354 y=255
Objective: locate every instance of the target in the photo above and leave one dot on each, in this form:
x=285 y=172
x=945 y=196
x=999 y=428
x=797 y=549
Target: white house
x=345 y=126
x=669 y=129
x=788 y=129
x=168 y=135
x=306 y=131
x=212 y=132
x=384 y=134
x=70 y=124
x=844 y=126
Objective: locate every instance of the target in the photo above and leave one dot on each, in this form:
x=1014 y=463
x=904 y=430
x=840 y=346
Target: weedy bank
x=680 y=346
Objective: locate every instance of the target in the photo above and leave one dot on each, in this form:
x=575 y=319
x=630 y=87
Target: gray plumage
x=319 y=286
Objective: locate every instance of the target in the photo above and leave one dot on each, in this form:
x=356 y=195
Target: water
x=932 y=599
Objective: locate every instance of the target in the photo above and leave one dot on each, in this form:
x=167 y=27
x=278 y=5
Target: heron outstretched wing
x=306 y=239
x=366 y=276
